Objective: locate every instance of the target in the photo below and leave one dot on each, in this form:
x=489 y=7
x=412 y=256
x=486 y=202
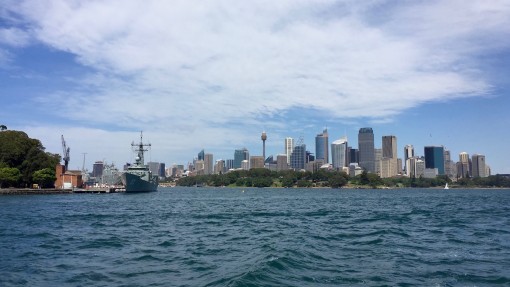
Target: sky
x=214 y=75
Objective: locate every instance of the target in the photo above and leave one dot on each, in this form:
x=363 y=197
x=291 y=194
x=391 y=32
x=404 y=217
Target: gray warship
x=138 y=177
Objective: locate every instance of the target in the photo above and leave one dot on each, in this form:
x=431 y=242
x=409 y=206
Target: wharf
x=27 y=191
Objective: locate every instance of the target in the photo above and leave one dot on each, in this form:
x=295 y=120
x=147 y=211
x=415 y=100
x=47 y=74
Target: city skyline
x=215 y=76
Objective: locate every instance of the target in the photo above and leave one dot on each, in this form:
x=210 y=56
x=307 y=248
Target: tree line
x=23 y=161
x=261 y=177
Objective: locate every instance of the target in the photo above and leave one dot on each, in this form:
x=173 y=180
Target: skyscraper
x=463 y=166
x=339 y=153
x=201 y=155
x=289 y=147
x=239 y=156
x=321 y=146
x=434 y=158
x=478 y=165
x=408 y=153
x=389 y=161
x=298 y=157
x=208 y=163
x=366 y=149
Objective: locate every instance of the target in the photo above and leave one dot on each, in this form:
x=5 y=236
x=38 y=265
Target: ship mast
x=140 y=149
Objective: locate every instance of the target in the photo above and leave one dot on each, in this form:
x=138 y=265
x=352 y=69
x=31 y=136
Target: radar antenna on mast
x=65 y=154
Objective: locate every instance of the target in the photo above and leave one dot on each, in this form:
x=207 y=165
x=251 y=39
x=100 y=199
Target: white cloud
x=199 y=67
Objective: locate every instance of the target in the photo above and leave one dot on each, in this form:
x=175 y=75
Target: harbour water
x=257 y=237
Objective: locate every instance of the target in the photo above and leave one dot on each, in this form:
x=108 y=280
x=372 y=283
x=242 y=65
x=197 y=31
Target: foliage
x=9 y=176
x=45 y=177
x=27 y=155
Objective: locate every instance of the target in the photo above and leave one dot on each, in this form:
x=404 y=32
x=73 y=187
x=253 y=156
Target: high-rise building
x=463 y=166
x=389 y=161
x=298 y=157
x=97 y=169
x=408 y=153
x=219 y=167
x=281 y=162
x=449 y=166
x=339 y=154
x=208 y=163
x=256 y=161
x=153 y=167
x=377 y=160
x=478 y=165
x=229 y=164
x=239 y=156
x=321 y=146
x=366 y=149
x=289 y=147
x=201 y=155
x=434 y=158
x=162 y=170
x=389 y=146
x=353 y=155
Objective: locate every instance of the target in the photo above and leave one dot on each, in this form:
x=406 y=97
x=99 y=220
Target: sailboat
x=446 y=186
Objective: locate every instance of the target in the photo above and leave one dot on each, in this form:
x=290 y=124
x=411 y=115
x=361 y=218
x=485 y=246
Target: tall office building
x=463 y=166
x=239 y=156
x=208 y=163
x=97 y=169
x=229 y=164
x=449 y=165
x=201 y=155
x=353 y=155
x=298 y=157
x=408 y=153
x=321 y=146
x=256 y=161
x=366 y=149
x=281 y=162
x=434 y=158
x=377 y=160
x=389 y=161
x=219 y=167
x=339 y=154
x=478 y=165
x=289 y=147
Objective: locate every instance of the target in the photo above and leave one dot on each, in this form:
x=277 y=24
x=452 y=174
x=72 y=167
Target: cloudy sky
x=214 y=74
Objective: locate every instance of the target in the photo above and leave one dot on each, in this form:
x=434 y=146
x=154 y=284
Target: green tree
x=337 y=181
x=44 y=177
x=9 y=176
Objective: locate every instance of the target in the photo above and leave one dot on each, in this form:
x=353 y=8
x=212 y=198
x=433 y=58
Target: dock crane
x=65 y=154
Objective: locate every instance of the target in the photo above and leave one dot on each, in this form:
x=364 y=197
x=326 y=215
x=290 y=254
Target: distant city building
x=449 y=165
x=245 y=164
x=281 y=162
x=366 y=149
x=256 y=161
x=430 y=172
x=239 y=156
x=434 y=158
x=162 y=170
x=339 y=154
x=377 y=160
x=219 y=167
x=408 y=153
x=321 y=146
x=478 y=164
x=298 y=157
x=463 y=166
x=419 y=168
x=289 y=147
x=353 y=155
x=309 y=157
x=97 y=169
x=229 y=164
x=153 y=167
x=201 y=155
x=208 y=164
x=199 y=167
x=355 y=169
x=389 y=160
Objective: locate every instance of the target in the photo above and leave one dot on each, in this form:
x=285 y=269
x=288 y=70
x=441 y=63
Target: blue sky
x=214 y=75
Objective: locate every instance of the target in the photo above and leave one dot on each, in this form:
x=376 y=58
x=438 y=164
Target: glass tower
x=434 y=158
x=321 y=146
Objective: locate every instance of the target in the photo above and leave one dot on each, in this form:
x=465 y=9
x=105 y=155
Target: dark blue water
x=259 y=237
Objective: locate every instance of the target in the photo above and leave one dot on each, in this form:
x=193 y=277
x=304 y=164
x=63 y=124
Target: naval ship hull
x=134 y=183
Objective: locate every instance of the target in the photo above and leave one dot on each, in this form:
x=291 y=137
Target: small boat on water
x=138 y=177
x=446 y=186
